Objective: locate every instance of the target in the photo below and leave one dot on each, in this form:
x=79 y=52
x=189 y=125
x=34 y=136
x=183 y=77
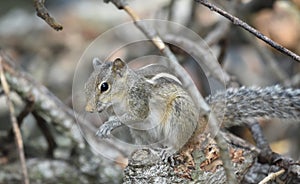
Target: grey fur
x=235 y=105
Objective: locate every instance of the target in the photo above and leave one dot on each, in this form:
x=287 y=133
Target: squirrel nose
x=89 y=107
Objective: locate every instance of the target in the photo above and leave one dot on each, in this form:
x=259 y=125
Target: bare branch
x=45 y=103
x=27 y=109
x=192 y=16
x=43 y=13
x=293 y=82
x=223 y=27
x=250 y=29
x=267 y=57
x=228 y=168
x=266 y=154
x=271 y=62
x=258 y=135
x=218 y=33
x=171 y=10
x=16 y=129
x=196 y=50
x=42 y=124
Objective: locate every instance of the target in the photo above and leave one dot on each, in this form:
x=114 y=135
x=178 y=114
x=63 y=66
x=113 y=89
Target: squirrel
x=153 y=103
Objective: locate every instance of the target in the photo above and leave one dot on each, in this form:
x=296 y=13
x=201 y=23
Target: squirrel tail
x=235 y=105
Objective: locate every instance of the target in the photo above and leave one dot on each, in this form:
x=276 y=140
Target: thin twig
x=266 y=154
x=223 y=149
x=292 y=82
x=199 y=51
x=223 y=43
x=171 y=10
x=272 y=176
x=259 y=139
x=267 y=57
x=43 y=126
x=192 y=17
x=257 y=135
x=15 y=125
x=218 y=33
x=250 y=29
x=223 y=27
x=43 y=13
x=271 y=62
x=27 y=109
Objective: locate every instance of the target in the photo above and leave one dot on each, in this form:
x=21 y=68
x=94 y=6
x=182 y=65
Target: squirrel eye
x=103 y=86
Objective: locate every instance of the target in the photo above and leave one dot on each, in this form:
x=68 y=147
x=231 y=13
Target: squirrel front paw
x=106 y=128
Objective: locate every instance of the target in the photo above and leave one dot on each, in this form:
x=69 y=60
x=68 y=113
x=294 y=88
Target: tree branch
x=15 y=125
x=250 y=29
x=43 y=13
x=45 y=103
x=197 y=51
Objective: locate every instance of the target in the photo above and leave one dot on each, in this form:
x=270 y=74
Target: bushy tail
x=234 y=105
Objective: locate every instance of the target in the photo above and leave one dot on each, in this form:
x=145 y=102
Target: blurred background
x=51 y=58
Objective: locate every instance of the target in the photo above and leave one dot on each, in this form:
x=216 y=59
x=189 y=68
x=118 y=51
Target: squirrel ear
x=97 y=62
x=118 y=65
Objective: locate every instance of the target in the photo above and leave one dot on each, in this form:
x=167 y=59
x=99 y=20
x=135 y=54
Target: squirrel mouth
x=100 y=108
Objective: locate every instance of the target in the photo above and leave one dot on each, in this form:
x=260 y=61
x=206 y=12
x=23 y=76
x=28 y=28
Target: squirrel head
x=104 y=84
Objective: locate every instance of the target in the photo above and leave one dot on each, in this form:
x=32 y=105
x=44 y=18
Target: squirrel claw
x=104 y=131
x=167 y=157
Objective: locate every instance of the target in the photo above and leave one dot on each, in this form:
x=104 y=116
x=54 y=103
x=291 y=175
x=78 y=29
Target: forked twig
x=27 y=109
x=250 y=29
x=16 y=129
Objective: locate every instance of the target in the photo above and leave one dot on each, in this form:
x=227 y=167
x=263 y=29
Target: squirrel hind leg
x=181 y=124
